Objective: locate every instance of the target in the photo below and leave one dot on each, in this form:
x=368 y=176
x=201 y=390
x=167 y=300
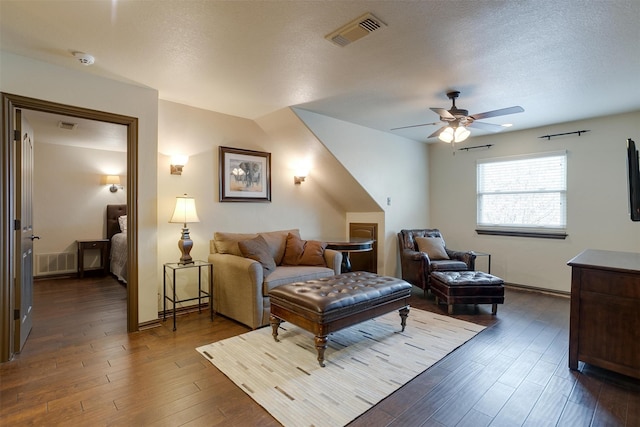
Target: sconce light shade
x=301 y=172
x=114 y=180
x=185 y=212
x=177 y=163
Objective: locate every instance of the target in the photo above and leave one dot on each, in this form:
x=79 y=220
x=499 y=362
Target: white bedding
x=119 y=256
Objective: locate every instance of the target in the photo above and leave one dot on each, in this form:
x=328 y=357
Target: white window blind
x=525 y=192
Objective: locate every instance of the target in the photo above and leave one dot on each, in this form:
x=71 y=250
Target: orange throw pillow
x=303 y=252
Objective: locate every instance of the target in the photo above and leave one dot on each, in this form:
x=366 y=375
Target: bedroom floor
x=80 y=367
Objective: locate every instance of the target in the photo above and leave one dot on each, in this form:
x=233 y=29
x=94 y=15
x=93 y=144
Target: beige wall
x=198 y=133
x=386 y=166
x=70 y=86
x=597 y=198
x=69 y=198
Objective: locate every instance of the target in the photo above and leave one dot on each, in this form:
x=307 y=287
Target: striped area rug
x=364 y=364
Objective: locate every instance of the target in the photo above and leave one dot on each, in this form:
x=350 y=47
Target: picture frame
x=244 y=175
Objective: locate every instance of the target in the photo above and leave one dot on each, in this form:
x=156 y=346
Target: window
x=524 y=195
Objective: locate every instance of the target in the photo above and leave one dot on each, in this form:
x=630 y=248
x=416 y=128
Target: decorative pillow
x=227 y=243
x=258 y=249
x=304 y=252
x=432 y=246
x=122 y=222
x=277 y=241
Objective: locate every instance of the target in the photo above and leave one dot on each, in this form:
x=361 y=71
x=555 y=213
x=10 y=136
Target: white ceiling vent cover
x=355 y=30
x=67 y=125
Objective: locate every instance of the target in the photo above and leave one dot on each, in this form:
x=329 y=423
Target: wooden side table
x=170 y=269
x=100 y=244
x=352 y=245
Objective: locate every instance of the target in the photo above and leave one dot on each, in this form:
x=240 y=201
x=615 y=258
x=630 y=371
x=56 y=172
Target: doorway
x=11 y=103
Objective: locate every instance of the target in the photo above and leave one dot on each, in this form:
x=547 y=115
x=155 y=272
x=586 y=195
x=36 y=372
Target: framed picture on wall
x=245 y=175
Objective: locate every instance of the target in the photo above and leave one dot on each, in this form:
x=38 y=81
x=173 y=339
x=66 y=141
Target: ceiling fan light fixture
x=461 y=134
x=451 y=134
x=446 y=135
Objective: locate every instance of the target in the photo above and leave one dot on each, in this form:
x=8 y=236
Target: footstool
x=467 y=287
x=326 y=305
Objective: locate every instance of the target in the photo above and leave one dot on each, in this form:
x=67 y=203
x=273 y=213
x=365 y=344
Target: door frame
x=7 y=203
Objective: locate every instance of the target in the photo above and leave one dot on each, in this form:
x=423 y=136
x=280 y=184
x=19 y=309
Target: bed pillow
x=304 y=252
x=258 y=250
x=122 y=222
x=432 y=246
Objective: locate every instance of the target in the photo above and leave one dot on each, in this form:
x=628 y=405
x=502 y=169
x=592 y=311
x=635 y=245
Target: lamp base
x=185 y=244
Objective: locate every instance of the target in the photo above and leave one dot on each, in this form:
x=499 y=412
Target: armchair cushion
x=258 y=249
x=303 y=252
x=432 y=246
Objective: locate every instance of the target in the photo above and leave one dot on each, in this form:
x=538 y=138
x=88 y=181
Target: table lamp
x=184 y=213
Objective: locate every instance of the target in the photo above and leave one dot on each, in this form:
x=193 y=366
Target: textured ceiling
x=559 y=60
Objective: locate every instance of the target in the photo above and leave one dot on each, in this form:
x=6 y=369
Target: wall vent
x=67 y=125
x=355 y=30
x=56 y=263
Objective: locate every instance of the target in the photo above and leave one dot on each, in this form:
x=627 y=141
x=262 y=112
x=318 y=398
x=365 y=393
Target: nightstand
x=100 y=244
x=170 y=270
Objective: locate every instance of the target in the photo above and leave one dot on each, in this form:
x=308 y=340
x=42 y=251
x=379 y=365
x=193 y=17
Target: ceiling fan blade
x=415 y=126
x=443 y=113
x=436 y=133
x=496 y=113
x=487 y=126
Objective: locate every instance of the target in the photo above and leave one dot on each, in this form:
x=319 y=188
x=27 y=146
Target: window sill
x=534 y=234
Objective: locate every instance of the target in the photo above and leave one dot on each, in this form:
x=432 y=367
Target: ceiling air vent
x=355 y=30
x=67 y=125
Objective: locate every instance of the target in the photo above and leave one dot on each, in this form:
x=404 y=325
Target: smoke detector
x=355 y=30
x=84 y=58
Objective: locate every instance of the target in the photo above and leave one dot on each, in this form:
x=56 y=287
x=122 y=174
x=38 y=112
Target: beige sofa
x=240 y=286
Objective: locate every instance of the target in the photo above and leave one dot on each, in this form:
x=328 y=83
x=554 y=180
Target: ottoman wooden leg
x=404 y=312
x=494 y=308
x=275 y=324
x=321 y=346
x=450 y=308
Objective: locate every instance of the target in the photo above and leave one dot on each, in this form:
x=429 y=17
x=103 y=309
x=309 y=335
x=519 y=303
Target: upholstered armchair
x=416 y=263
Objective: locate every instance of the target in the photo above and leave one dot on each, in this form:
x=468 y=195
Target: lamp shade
x=112 y=179
x=185 y=210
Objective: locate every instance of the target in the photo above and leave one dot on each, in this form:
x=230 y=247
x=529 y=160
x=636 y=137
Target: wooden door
x=364 y=261
x=24 y=231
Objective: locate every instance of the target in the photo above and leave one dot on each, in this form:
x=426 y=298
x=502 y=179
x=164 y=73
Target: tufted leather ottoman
x=467 y=287
x=326 y=305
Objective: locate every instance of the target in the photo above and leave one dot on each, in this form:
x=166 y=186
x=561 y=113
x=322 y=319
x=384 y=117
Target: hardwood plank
x=81 y=367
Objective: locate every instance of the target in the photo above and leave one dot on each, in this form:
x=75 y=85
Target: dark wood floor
x=79 y=367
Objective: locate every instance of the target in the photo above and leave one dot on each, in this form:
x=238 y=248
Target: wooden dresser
x=605 y=311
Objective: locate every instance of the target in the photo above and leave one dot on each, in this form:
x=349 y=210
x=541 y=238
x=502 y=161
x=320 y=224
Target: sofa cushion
x=227 y=243
x=304 y=252
x=432 y=246
x=277 y=242
x=258 y=249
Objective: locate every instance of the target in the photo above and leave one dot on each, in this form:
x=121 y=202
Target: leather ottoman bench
x=467 y=287
x=326 y=305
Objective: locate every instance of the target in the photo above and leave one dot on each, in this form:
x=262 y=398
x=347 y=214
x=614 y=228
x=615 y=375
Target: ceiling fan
x=457 y=120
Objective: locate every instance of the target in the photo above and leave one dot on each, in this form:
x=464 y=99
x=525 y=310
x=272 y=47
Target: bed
x=117 y=235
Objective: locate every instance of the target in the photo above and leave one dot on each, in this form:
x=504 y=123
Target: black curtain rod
x=579 y=132
x=477 y=146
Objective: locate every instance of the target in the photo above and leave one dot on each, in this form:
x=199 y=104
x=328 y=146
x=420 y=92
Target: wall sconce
x=300 y=173
x=177 y=163
x=114 y=180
